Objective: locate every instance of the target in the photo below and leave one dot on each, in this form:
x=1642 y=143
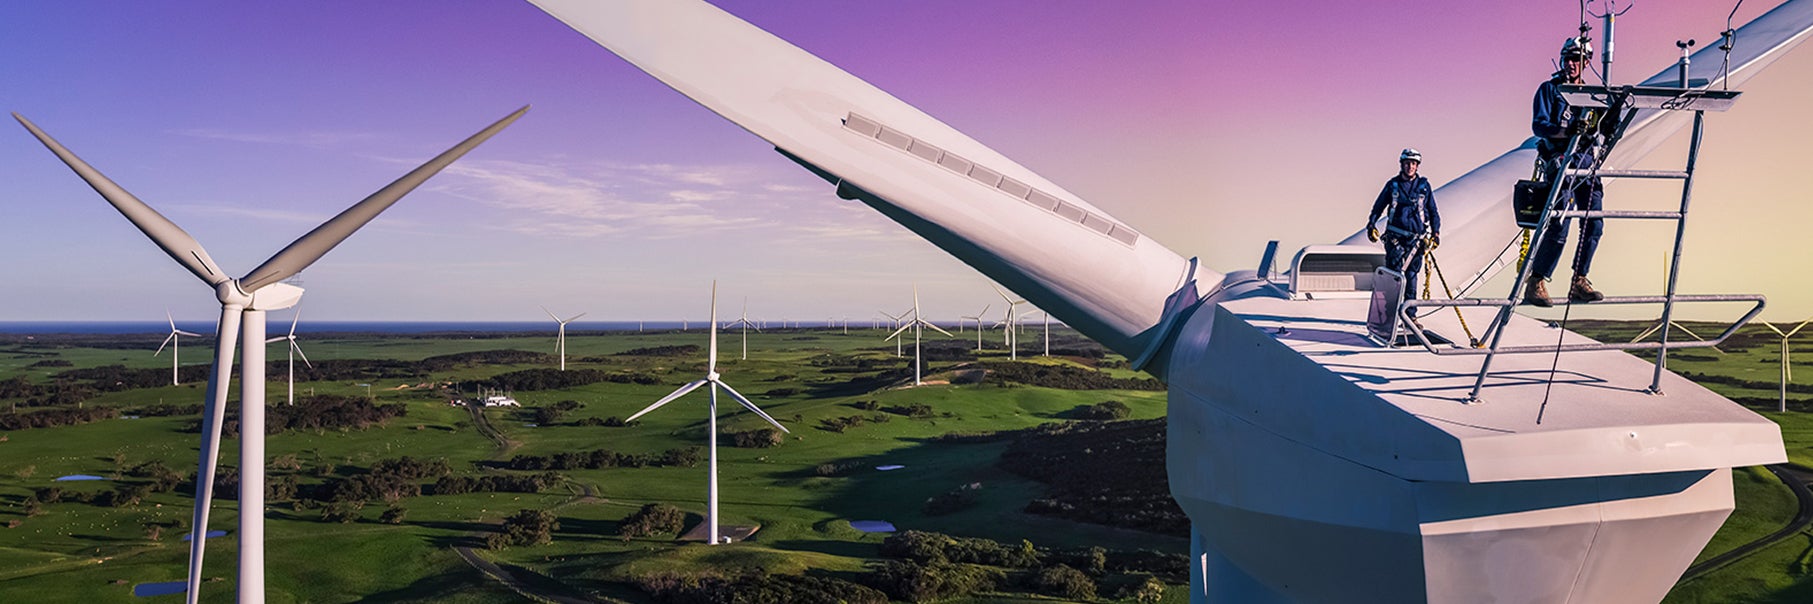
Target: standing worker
x=1554 y=122
x=1412 y=226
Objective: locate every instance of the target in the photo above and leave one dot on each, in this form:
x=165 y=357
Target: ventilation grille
x=990 y=178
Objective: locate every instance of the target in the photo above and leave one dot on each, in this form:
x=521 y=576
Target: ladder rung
x=1676 y=174
x=1618 y=214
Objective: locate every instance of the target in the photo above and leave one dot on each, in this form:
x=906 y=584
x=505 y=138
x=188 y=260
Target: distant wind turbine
x=1008 y=337
x=243 y=303
x=560 y=337
x=295 y=351
x=742 y=321
x=978 y=319
x=175 y=344
x=1787 y=371
x=898 y=352
x=916 y=323
x=711 y=377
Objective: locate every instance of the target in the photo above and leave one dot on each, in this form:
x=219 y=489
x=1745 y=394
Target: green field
x=80 y=552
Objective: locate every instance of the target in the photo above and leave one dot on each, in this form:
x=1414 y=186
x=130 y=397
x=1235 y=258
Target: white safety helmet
x=1580 y=48
x=1411 y=154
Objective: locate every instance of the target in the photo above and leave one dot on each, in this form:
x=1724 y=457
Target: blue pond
x=211 y=534
x=159 y=589
x=78 y=477
x=872 y=526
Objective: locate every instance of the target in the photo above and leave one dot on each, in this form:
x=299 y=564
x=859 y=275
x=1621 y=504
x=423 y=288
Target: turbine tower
x=560 y=336
x=295 y=351
x=176 y=347
x=711 y=377
x=744 y=322
x=243 y=304
x=916 y=323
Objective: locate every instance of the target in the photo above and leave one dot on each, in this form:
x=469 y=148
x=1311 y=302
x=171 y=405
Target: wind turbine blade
x=226 y=337
x=298 y=348
x=550 y=314
x=293 y=321
x=1796 y=329
x=689 y=387
x=187 y=333
x=995 y=215
x=275 y=339
x=171 y=238
x=311 y=247
x=574 y=318
x=751 y=406
x=160 y=347
x=897 y=332
x=713 y=366
x=935 y=327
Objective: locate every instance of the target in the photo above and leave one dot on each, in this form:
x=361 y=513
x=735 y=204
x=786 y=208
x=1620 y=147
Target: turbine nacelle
x=276 y=296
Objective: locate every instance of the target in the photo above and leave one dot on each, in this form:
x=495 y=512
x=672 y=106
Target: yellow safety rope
x=1437 y=269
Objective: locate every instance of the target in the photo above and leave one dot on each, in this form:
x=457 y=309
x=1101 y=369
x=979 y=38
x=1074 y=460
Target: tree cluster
x=1064 y=377
x=653 y=519
x=686 y=350
x=543 y=378
x=526 y=527
x=757 y=587
x=683 y=457
x=318 y=413
x=761 y=438
x=50 y=418
x=496 y=483
x=1103 y=411
x=1110 y=473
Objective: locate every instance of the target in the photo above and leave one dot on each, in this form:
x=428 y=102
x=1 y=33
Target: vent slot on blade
x=872 y=129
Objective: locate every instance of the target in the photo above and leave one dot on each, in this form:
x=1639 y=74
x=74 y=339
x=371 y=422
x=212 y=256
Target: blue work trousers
x=1402 y=254
x=1587 y=194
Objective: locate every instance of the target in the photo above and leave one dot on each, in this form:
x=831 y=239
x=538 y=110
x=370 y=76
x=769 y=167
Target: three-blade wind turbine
x=711 y=427
x=176 y=347
x=1008 y=337
x=243 y=302
x=916 y=323
x=978 y=319
x=1787 y=371
x=295 y=351
x=898 y=351
x=560 y=336
x=744 y=322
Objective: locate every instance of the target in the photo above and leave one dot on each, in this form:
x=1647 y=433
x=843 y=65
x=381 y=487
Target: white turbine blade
x=574 y=318
x=171 y=319
x=550 y=314
x=897 y=332
x=160 y=347
x=171 y=238
x=712 y=367
x=298 y=348
x=937 y=328
x=1796 y=329
x=211 y=415
x=293 y=321
x=275 y=339
x=689 y=387
x=993 y=214
x=311 y=247
x=751 y=406
x=187 y=333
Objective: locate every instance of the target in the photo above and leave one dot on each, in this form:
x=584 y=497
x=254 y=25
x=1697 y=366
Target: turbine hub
x=711 y=376
x=228 y=293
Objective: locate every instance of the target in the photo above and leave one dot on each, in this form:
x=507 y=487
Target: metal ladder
x=1631 y=99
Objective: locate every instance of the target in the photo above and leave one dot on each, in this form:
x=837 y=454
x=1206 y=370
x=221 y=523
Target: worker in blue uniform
x=1554 y=123
x=1412 y=225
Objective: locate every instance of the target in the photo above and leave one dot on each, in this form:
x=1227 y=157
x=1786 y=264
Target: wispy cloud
x=305 y=139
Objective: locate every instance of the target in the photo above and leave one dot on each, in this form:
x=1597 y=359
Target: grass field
x=77 y=552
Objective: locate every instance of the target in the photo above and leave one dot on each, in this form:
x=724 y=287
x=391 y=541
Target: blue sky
x=1212 y=127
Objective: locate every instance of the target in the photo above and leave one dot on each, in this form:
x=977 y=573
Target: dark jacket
x=1411 y=204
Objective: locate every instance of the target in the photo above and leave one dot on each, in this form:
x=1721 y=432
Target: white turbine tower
x=560 y=336
x=1787 y=372
x=176 y=346
x=916 y=323
x=978 y=319
x=1008 y=337
x=744 y=322
x=243 y=303
x=295 y=351
x=711 y=377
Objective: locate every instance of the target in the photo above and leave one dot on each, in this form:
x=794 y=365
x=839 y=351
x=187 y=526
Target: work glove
x=1435 y=242
x=1372 y=234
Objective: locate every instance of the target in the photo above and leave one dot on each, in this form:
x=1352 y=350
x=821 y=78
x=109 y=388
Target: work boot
x=1582 y=291
x=1536 y=294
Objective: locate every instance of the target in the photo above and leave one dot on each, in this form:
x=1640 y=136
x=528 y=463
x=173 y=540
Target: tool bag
x=1527 y=200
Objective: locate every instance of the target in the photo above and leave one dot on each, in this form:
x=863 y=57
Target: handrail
x=1404 y=312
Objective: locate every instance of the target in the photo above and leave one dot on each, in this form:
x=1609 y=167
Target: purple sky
x=1210 y=126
